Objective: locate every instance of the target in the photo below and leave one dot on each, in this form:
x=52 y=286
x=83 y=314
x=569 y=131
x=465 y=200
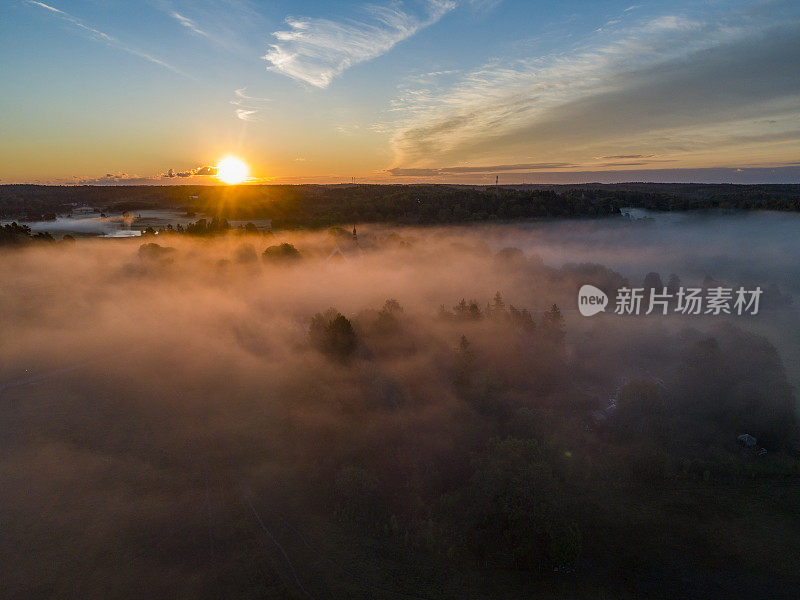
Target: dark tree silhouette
x=553 y=325
x=282 y=252
x=333 y=334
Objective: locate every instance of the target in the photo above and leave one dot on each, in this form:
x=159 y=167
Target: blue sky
x=420 y=90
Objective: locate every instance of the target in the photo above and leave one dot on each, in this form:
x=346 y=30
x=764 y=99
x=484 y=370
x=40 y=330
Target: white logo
x=591 y=300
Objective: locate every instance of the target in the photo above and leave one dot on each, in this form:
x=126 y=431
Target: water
x=86 y=223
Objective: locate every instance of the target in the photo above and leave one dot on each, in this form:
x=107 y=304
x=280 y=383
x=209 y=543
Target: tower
x=355 y=235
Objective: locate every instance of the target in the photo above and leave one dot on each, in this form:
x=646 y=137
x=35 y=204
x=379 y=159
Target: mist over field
x=185 y=417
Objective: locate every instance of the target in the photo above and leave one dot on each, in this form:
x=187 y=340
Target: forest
x=318 y=206
x=415 y=415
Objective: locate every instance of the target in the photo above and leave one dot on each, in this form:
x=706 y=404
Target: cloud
x=477 y=169
x=188 y=23
x=207 y=171
x=753 y=173
x=398 y=172
x=47 y=6
x=232 y=25
x=622 y=156
x=347 y=129
x=616 y=95
x=246 y=115
x=119 y=178
x=101 y=36
x=95 y=33
x=248 y=107
x=484 y=5
x=786 y=174
x=317 y=50
x=195 y=175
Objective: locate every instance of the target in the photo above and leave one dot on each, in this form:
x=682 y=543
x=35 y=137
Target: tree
x=464 y=365
x=467 y=311
x=152 y=252
x=281 y=253
x=392 y=306
x=652 y=281
x=246 y=254
x=342 y=337
x=497 y=308
x=388 y=317
x=514 y=505
x=14 y=234
x=553 y=325
x=333 y=334
x=673 y=284
x=522 y=318
x=640 y=411
x=734 y=382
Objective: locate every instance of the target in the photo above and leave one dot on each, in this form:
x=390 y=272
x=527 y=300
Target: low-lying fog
x=737 y=246
x=68 y=302
x=131 y=377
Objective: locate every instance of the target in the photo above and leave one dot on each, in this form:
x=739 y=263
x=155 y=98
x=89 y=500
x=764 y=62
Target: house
x=346 y=250
x=747 y=440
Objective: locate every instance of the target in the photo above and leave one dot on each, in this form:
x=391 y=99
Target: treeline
x=312 y=206
x=432 y=205
x=690 y=196
x=320 y=206
x=36 y=202
x=15 y=234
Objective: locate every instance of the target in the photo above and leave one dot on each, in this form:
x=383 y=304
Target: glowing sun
x=232 y=170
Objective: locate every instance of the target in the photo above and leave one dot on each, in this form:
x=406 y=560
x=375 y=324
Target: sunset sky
x=157 y=91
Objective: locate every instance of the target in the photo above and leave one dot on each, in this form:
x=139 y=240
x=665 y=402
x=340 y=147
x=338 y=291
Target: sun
x=232 y=170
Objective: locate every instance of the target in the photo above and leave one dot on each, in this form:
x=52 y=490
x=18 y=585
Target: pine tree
x=553 y=325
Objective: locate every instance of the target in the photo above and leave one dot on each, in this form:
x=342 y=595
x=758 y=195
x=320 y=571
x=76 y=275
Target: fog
x=89 y=222
x=161 y=402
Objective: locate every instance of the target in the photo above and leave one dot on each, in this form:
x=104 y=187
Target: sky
x=450 y=91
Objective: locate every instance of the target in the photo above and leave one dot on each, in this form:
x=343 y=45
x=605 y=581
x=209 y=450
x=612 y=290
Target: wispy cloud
x=188 y=23
x=101 y=36
x=75 y=21
x=623 y=156
x=317 y=50
x=400 y=172
x=248 y=107
x=232 y=25
x=615 y=97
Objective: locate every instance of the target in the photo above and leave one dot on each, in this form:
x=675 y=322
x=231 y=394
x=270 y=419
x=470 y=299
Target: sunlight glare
x=232 y=170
